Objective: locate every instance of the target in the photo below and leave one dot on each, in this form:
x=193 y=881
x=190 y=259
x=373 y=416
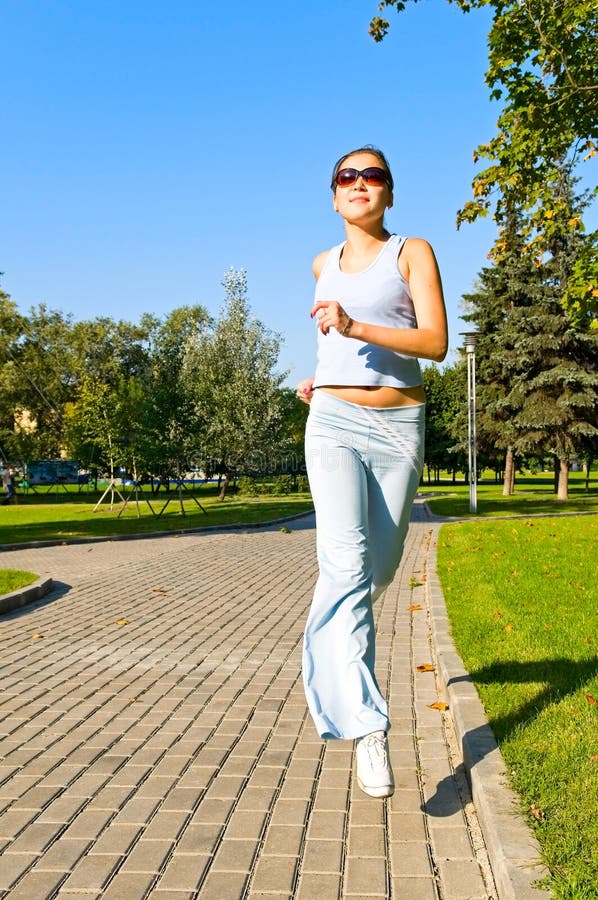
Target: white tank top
x=379 y=295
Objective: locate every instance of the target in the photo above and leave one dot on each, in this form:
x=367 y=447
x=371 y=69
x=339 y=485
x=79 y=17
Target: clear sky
x=147 y=146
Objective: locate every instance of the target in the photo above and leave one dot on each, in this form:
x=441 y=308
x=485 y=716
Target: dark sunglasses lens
x=346 y=177
x=374 y=176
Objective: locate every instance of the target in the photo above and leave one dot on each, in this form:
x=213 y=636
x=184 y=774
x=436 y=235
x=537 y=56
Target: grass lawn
x=50 y=516
x=522 y=597
x=533 y=494
x=13 y=579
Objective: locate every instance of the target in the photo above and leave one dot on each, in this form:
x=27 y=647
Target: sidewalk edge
x=514 y=852
x=25 y=595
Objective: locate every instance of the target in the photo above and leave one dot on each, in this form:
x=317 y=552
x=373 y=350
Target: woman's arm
x=430 y=339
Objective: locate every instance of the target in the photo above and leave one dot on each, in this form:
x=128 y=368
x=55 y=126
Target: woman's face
x=361 y=202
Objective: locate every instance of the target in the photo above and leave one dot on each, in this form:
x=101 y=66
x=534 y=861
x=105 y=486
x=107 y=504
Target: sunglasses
x=373 y=175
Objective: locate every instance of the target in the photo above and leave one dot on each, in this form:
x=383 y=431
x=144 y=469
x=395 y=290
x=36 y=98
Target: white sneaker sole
x=387 y=790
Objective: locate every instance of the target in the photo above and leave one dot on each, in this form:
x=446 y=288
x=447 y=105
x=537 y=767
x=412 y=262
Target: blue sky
x=149 y=146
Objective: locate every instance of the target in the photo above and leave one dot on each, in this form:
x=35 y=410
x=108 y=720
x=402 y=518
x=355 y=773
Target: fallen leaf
x=413 y=582
x=425 y=667
x=122 y=622
x=415 y=606
x=159 y=591
x=37 y=636
x=595 y=757
x=537 y=812
x=438 y=705
x=591 y=699
x=285 y=530
x=132 y=699
x=508 y=628
x=497 y=614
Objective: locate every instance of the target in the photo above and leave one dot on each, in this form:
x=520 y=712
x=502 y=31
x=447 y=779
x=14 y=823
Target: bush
x=248 y=486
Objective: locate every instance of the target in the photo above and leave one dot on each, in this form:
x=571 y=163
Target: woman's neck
x=361 y=240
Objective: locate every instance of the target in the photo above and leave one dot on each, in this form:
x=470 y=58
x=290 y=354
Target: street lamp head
x=470 y=341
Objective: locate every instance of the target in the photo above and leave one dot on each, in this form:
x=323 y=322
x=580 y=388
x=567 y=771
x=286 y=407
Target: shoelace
x=376 y=746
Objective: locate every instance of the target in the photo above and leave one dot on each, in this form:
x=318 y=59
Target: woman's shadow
x=559 y=678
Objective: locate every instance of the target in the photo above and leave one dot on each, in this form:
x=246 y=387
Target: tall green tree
x=538 y=359
x=174 y=419
x=446 y=421
x=231 y=374
x=513 y=282
x=543 y=68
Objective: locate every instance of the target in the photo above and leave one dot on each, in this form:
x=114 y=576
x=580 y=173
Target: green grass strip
x=533 y=495
x=13 y=579
x=522 y=597
x=59 y=517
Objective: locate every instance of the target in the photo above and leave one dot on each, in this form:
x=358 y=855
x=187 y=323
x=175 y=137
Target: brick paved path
x=155 y=739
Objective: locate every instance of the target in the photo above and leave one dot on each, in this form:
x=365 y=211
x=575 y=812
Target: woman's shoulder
x=416 y=255
x=322 y=258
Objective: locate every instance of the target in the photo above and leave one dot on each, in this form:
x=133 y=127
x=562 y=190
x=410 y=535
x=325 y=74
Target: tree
x=174 y=421
x=543 y=67
x=446 y=398
x=230 y=372
x=41 y=378
x=538 y=371
x=513 y=282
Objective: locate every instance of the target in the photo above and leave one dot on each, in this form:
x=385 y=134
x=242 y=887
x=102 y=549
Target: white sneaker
x=374 y=772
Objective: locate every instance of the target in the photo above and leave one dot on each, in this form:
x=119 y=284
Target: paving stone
x=184 y=872
x=450 y=842
x=129 y=885
x=274 y=873
x=412 y=858
x=462 y=879
x=35 y=838
x=92 y=873
x=234 y=856
x=63 y=855
x=147 y=856
x=366 y=877
x=200 y=838
x=318 y=887
x=366 y=840
x=322 y=856
x=223 y=886
x=415 y=889
x=13 y=866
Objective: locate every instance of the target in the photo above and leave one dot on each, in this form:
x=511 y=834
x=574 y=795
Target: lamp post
x=470 y=345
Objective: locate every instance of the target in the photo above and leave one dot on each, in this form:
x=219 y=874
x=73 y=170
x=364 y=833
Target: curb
x=175 y=532
x=19 y=598
x=515 y=854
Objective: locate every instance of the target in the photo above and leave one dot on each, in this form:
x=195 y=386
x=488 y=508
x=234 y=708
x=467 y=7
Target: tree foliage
x=231 y=374
x=161 y=397
x=543 y=68
x=537 y=357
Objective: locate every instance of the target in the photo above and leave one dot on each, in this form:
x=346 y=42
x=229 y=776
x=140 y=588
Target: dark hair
x=368 y=148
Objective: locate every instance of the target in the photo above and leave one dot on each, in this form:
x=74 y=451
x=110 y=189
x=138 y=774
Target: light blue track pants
x=364 y=466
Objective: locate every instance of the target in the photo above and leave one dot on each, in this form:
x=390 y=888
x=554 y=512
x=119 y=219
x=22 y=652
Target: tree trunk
x=508 y=487
x=563 y=484
x=587 y=466
x=225 y=483
x=556 y=474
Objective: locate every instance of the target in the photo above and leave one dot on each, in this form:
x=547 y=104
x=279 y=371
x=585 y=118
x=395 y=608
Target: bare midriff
x=382 y=396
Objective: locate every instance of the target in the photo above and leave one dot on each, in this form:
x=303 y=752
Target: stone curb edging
x=175 y=532
x=515 y=855
x=22 y=596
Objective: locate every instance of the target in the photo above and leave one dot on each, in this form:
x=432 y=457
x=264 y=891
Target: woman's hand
x=305 y=390
x=330 y=314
